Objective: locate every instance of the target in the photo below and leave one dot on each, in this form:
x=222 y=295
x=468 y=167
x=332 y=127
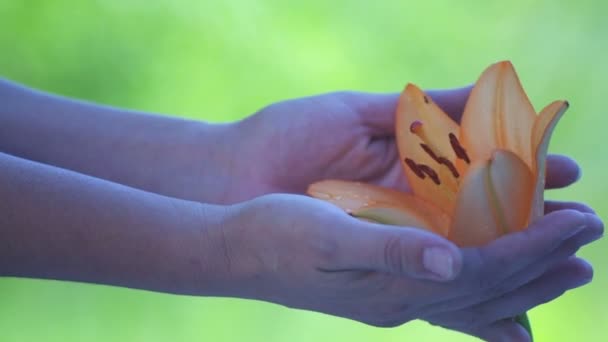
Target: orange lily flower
x=471 y=182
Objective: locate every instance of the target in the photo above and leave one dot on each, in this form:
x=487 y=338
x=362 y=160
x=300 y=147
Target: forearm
x=171 y=156
x=58 y=224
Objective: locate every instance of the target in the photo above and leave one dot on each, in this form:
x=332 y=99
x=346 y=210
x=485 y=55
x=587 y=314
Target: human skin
x=282 y=148
x=288 y=249
x=265 y=247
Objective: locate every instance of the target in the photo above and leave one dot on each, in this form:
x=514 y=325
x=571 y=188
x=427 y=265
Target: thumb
x=401 y=251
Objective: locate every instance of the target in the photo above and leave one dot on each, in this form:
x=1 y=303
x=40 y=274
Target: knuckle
x=436 y=323
x=325 y=248
x=491 y=272
x=401 y=311
x=392 y=254
x=502 y=263
x=389 y=323
x=486 y=282
x=465 y=320
x=470 y=320
x=392 y=323
x=570 y=248
x=390 y=316
x=547 y=296
x=496 y=291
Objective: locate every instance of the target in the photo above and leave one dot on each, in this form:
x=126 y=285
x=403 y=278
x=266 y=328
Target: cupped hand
x=492 y=318
x=350 y=135
x=344 y=135
x=308 y=254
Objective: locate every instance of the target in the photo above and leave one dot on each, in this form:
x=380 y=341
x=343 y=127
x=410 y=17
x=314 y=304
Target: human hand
x=492 y=320
x=349 y=135
x=308 y=254
x=345 y=135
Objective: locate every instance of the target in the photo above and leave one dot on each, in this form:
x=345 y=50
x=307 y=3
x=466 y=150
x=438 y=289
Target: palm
x=318 y=138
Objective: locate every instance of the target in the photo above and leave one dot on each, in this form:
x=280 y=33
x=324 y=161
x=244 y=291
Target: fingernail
x=439 y=261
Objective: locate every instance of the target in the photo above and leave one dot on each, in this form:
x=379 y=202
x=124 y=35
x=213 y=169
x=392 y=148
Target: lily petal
x=498 y=115
x=494 y=200
x=541 y=135
x=381 y=204
x=419 y=121
x=352 y=196
x=402 y=216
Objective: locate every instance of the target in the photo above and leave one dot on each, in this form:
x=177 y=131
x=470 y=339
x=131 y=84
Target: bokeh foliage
x=221 y=61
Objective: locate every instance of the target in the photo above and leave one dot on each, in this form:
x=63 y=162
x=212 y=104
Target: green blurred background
x=221 y=61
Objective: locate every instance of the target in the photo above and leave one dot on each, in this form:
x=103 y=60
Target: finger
x=551 y=206
x=531 y=272
x=377 y=110
x=561 y=171
x=565 y=276
x=565 y=252
x=488 y=266
x=568 y=274
x=502 y=331
x=452 y=101
x=400 y=251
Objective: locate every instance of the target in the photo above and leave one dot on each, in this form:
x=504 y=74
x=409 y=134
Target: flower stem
x=525 y=323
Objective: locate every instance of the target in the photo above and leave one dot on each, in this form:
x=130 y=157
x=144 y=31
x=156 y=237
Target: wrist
x=219 y=268
x=208 y=163
x=233 y=167
x=234 y=251
x=193 y=250
x=256 y=150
